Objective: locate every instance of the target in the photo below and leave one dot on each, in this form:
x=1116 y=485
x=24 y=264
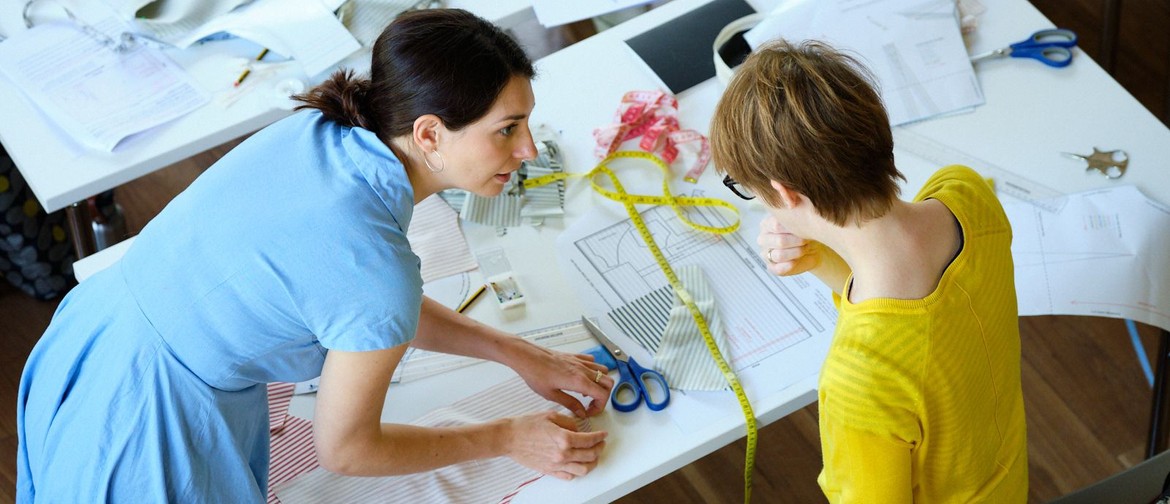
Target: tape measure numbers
x=1006 y=181
x=619 y=194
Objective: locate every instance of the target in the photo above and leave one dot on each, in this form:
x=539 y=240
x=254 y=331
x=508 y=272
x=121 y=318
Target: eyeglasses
x=738 y=189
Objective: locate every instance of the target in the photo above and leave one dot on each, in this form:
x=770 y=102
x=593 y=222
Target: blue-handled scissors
x=1051 y=47
x=636 y=382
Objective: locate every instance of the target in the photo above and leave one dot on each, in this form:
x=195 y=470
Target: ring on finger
x=771 y=255
x=597 y=377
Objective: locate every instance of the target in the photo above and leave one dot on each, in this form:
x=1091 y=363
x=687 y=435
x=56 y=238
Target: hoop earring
x=432 y=168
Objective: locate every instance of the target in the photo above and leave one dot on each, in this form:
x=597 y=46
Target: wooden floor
x=1086 y=397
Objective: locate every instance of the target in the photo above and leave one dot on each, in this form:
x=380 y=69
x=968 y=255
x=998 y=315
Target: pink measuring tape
x=653 y=115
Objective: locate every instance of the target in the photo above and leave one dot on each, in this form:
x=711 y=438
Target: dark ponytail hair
x=446 y=62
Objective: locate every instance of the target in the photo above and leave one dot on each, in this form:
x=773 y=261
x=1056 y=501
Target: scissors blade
x=605 y=341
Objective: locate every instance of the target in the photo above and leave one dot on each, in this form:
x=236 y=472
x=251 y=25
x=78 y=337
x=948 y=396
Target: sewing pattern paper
x=1101 y=254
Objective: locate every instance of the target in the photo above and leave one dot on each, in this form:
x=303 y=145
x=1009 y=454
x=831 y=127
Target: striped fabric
x=920 y=400
x=279 y=395
x=517 y=205
x=291 y=443
x=487 y=481
x=683 y=357
x=644 y=318
x=293 y=454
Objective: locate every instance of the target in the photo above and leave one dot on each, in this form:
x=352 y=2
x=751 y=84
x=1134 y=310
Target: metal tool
x=1052 y=47
x=1111 y=164
x=635 y=382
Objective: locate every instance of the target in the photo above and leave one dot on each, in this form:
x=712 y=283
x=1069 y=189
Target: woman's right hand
x=549 y=442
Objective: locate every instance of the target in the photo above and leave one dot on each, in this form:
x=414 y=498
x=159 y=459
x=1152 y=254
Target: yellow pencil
x=244 y=74
x=467 y=304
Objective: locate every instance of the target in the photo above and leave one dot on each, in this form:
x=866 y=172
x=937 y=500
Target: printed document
x=96 y=95
x=1102 y=254
x=914 y=48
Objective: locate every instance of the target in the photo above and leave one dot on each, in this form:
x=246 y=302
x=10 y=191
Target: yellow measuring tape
x=676 y=202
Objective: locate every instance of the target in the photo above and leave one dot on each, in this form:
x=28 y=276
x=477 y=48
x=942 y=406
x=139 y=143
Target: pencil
x=467 y=304
x=244 y=74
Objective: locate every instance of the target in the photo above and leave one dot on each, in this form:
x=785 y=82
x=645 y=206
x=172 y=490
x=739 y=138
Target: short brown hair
x=808 y=117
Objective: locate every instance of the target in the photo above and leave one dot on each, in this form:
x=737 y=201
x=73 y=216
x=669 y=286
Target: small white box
x=497 y=272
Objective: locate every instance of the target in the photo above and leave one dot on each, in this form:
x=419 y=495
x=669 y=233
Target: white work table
x=1032 y=114
x=61 y=172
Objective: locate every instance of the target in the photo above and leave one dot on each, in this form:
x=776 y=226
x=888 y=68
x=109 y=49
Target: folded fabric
x=682 y=356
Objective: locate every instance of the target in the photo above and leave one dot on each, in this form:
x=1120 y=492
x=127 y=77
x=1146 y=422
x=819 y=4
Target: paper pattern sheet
x=489 y=481
x=1102 y=254
x=913 y=47
x=762 y=314
x=435 y=237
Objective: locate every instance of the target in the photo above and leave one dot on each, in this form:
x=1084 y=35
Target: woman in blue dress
x=286 y=260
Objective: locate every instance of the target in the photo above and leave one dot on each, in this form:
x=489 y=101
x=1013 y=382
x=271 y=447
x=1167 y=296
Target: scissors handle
x=636 y=383
x=1055 y=37
x=1056 y=57
x=1051 y=47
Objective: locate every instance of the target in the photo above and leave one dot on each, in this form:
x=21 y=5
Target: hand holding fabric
x=549 y=442
x=550 y=373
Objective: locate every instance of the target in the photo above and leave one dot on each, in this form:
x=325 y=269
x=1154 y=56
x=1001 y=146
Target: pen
x=467 y=304
x=244 y=74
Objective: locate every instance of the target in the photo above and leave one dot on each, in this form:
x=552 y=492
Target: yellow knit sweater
x=920 y=400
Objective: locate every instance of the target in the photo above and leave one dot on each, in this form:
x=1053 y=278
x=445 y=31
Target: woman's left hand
x=550 y=373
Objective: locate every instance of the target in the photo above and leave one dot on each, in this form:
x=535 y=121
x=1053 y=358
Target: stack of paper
x=552 y=13
x=305 y=30
x=95 y=93
x=914 y=48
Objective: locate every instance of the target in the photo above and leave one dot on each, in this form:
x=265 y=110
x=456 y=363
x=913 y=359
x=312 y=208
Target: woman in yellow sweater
x=920 y=397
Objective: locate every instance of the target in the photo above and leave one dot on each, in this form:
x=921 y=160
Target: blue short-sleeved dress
x=149 y=384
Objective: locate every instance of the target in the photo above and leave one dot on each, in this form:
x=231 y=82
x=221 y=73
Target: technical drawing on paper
x=763 y=314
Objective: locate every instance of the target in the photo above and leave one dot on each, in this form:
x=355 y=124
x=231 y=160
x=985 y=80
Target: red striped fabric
x=291 y=444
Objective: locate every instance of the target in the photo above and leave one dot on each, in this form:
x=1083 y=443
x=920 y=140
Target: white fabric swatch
x=682 y=357
x=434 y=236
x=487 y=481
